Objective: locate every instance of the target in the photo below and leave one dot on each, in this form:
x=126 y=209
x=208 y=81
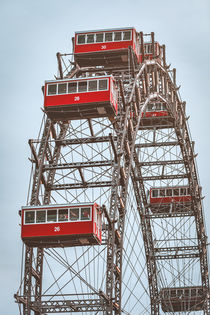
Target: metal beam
x=81 y=185
x=162 y=177
x=78 y=165
x=156 y=144
x=154 y=163
x=70 y=306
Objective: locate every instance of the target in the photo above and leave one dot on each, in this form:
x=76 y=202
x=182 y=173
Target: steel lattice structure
x=115 y=162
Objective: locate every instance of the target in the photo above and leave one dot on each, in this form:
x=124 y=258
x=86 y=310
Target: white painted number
x=76 y=98
x=56 y=228
x=103 y=47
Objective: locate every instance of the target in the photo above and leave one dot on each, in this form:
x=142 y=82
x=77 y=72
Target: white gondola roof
x=78 y=79
x=105 y=30
x=58 y=206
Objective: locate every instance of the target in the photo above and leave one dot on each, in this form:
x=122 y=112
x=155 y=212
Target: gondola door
x=97 y=222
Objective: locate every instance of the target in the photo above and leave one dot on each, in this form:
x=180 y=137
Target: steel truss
x=115 y=162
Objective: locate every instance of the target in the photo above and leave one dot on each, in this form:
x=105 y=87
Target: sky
x=31 y=33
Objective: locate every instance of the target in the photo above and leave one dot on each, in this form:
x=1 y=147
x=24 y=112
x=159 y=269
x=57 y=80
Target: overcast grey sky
x=32 y=32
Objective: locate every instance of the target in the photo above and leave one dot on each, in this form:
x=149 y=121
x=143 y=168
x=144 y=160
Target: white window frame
x=68 y=87
x=29 y=210
x=56 y=216
x=171 y=192
x=96 y=85
x=85 y=39
x=103 y=37
x=107 y=85
x=164 y=192
x=45 y=216
x=57 y=221
x=174 y=190
x=77 y=82
x=61 y=93
x=121 y=40
x=157 y=191
x=131 y=36
x=56 y=89
x=112 y=41
x=80 y=213
x=94 y=38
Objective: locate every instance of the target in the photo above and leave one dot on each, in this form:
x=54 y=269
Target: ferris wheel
x=114 y=219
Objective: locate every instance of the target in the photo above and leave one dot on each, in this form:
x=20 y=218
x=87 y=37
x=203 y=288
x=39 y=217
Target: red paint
x=155 y=114
x=48 y=229
x=170 y=199
x=84 y=98
x=105 y=46
x=160 y=113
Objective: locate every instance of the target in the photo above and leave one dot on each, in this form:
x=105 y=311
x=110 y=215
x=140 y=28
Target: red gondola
x=157 y=109
x=81 y=98
x=105 y=47
x=156 y=115
x=61 y=225
x=165 y=195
